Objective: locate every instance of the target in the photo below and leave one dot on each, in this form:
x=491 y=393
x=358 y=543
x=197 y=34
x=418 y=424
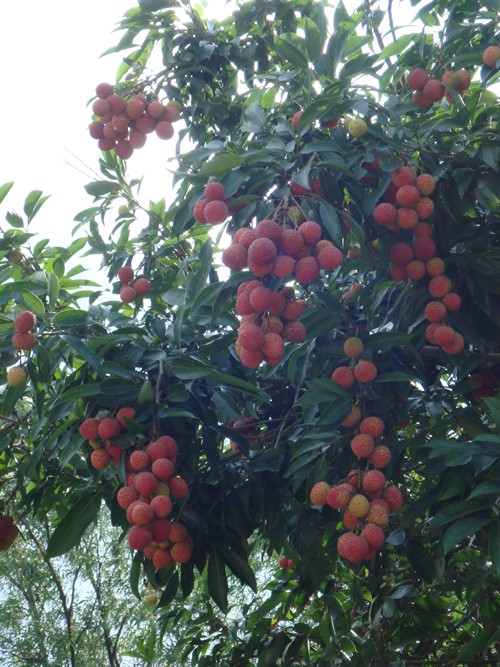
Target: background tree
x=302 y=112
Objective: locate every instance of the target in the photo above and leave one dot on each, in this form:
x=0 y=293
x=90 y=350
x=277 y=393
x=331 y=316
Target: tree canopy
x=296 y=357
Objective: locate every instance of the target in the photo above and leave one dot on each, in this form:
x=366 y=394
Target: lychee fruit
x=362 y=445
x=127 y=294
x=435 y=311
x=126 y=496
x=380 y=457
x=435 y=266
x=354 y=548
x=344 y=377
x=377 y=514
x=385 y=214
x=139 y=537
x=374 y=535
x=365 y=371
x=108 y=428
x=417 y=78
x=407 y=196
x=403 y=176
x=162 y=506
x=181 y=552
x=319 y=493
x=235 y=257
x=142 y=286
x=311 y=232
x=330 y=258
x=425 y=184
x=433 y=90
x=145 y=482
x=124 y=413
x=439 y=286
x=214 y=191
x=353 y=346
x=164 y=129
x=401 y=253
x=178 y=487
x=215 y=212
x=126 y=274
x=163 y=469
x=262 y=251
x=452 y=301
x=139 y=460
x=373 y=481
x=491 y=55
x=424 y=248
x=340 y=495
x=393 y=497
x=24 y=321
x=306 y=270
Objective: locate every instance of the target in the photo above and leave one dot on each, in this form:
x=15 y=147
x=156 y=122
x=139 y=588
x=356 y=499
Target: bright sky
x=51 y=64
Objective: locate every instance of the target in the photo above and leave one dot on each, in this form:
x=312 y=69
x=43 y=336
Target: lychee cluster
x=148 y=498
x=284 y=252
x=429 y=90
x=407 y=201
x=246 y=427
x=364 y=498
x=212 y=209
x=102 y=433
x=485 y=383
x=286 y=563
x=123 y=124
x=8 y=531
x=132 y=288
x=268 y=319
x=362 y=370
x=24 y=338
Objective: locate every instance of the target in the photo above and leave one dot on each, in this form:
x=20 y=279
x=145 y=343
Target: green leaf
x=397 y=47
x=190 y=369
x=4 y=190
x=290 y=53
x=81 y=348
x=72 y=526
x=53 y=288
x=494 y=544
x=14 y=220
x=135 y=573
x=33 y=202
x=239 y=566
x=221 y=164
x=70 y=318
x=146 y=393
x=395 y=376
x=487 y=488
x=170 y=590
x=33 y=303
x=462 y=529
x=313 y=39
x=217 y=580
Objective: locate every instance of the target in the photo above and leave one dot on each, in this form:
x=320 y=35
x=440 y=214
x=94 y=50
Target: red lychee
x=373 y=481
x=100 y=459
x=403 y=176
x=126 y=496
x=422 y=229
x=380 y=457
x=162 y=558
x=424 y=248
x=142 y=286
x=181 y=552
x=198 y=209
x=284 y=266
x=425 y=184
x=306 y=270
x=251 y=337
x=435 y=266
x=268 y=229
x=452 y=301
x=393 y=497
x=373 y=426
x=178 y=487
x=415 y=270
x=260 y=299
x=311 y=232
x=435 y=311
x=407 y=196
x=417 y=78
x=139 y=537
x=374 y=535
x=444 y=336
x=215 y=212
x=214 y=191
x=330 y=258
x=108 y=428
x=127 y=294
x=294 y=331
x=295 y=119
x=146 y=483
x=439 y=286
x=162 y=506
x=142 y=513
x=319 y=493
x=24 y=321
x=407 y=218
x=139 y=460
x=235 y=257
x=491 y=55
x=126 y=274
x=401 y=253
x=126 y=412
x=344 y=377
x=273 y=345
x=163 y=469
x=354 y=549
x=365 y=371
x=124 y=149
x=385 y=214
x=353 y=346
x=340 y=495
x=164 y=129
x=424 y=208
x=262 y=251
x=88 y=429
x=362 y=445
x=291 y=243
x=433 y=90
x=377 y=514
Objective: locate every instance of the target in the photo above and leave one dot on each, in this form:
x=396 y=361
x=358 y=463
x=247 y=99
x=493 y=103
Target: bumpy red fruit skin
x=127 y=412
x=163 y=447
x=401 y=253
x=163 y=469
x=380 y=457
x=393 y=497
x=374 y=535
x=178 y=488
x=251 y=358
x=215 y=212
x=422 y=229
x=198 y=209
x=433 y=90
x=373 y=481
x=403 y=176
x=415 y=270
x=24 y=321
x=435 y=311
x=162 y=506
x=452 y=301
x=353 y=417
x=262 y=251
x=164 y=129
x=407 y=218
x=139 y=460
x=311 y=232
x=268 y=229
x=355 y=549
x=142 y=286
x=295 y=119
x=377 y=515
x=88 y=429
x=457 y=346
x=126 y=274
x=181 y=552
x=100 y=459
x=24 y=341
x=235 y=257
x=306 y=270
x=340 y=495
x=424 y=248
x=146 y=483
x=491 y=55
x=291 y=243
x=344 y=376
x=126 y=496
x=142 y=513
x=294 y=331
x=439 y=286
x=214 y=191
x=104 y=90
x=139 y=537
x=372 y=425
x=273 y=345
x=444 y=336
x=365 y=371
x=362 y=445
x=408 y=196
x=319 y=493
x=426 y=184
x=435 y=266
x=330 y=258
x=385 y=214
x=127 y=294
x=251 y=337
x=424 y=208
x=96 y=129
x=417 y=78
x=162 y=559
x=284 y=266
x=124 y=149
x=108 y=428
x=260 y=299
x=421 y=100
x=431 y=330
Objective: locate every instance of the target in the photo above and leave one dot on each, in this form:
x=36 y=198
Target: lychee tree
x=315 y=377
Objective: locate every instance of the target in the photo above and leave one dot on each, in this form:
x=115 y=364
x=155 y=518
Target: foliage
x=432 y=591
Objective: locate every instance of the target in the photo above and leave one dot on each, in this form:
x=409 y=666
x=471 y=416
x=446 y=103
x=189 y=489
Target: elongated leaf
x=4 y=190
x=135 y=573
x=81 y=348
x=217 y=580
x=99 y=188
x=71 y=528
x=190 y=369
x=33 y=303
x=70 y=318
x=494 y=545
x=290 y=52
x=170 y=590
x=491 y=487
x=221 y=165
x=462 y=529
x=239 y=566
